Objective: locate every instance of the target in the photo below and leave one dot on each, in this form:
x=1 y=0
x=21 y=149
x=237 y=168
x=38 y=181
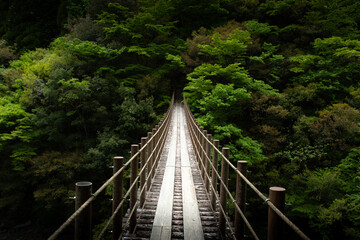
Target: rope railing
x=202 y=142
x=213 y=190
x=150 y=151
x=160 y=143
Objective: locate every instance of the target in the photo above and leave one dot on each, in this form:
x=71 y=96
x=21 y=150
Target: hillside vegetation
x=276 y=81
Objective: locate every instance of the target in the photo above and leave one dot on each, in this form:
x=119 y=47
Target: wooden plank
x=163 y=215
x=191 y=215
x=161 y=233
x=208 y=217
x=185 y=162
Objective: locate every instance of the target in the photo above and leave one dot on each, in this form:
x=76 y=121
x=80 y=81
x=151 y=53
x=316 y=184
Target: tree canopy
x=275 y=81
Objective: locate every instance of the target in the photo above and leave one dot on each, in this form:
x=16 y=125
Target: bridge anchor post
x=149 y=166
x=117 y=197
x=240 y=200
x=207 y=163
x=203 y=154
x=224 y=178
x=143 y=174
x=214 y=180
x=133 y=192
x=277 y=197
x=83 y=220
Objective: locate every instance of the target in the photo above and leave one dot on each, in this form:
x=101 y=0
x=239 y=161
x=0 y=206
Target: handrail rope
x=221 y=208
x=237 y=208
x=137 y=201
x=261 y=195
x=217 y=173
x=271 y=205
x=231 y=165
x=157 y=159
x=228 y=192
x=91 y=198
x=130 y=215
x=221 y=181
x=85 y=204
x=125 y=196
x=147 y=179
x=207 y=175
x=231 y=198
x=113 y=215
x=137 y=178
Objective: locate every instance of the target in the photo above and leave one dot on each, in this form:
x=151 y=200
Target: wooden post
x=162 y=136
x=213 y=173
x=153 y=144
x=203 y=154
x=224 y=178
x=143 y=174
x=149 y=150
x=240 y=200
x=133 y=192
x=156 y=146
x=161 y=129
x=207 y=163
x=199 y=145
x=83 y=229
x=117 y=197
x=277 y=197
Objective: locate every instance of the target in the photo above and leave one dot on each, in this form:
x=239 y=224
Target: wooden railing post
x=207 y=163
x=133 y=192
x=83 y=229
x=213 y=173
x=163 y=134
x=277 y=197
x=117 y=197
x=224 y=178
x=143 y=174
x=149 y=150
x=240 y=200
x=203 y=153
x=199 y=145
x=157 y=138
x=153 y=144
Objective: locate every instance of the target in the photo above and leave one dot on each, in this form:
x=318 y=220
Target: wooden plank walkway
x=192 y=221
x=163 y=215
x=177 y=205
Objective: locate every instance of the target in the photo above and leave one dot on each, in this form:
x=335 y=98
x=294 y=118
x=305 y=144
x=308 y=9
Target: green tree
x=333 y=68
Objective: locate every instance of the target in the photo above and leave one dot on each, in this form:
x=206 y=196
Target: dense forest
x=277 y=81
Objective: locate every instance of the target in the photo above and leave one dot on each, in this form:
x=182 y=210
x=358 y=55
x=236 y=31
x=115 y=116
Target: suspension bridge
x=178 y=189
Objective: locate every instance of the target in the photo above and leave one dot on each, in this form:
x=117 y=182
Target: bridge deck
x=177 y=205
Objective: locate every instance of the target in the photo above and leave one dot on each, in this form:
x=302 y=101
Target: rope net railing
x=147 y=156
x=202 y=144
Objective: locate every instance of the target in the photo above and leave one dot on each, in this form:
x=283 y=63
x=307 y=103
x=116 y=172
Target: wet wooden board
x=192 y=221
x=208 y=217
x=163 y=216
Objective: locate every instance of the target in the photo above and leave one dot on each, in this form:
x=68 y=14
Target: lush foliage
x=276 y=81
x=288 y=106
